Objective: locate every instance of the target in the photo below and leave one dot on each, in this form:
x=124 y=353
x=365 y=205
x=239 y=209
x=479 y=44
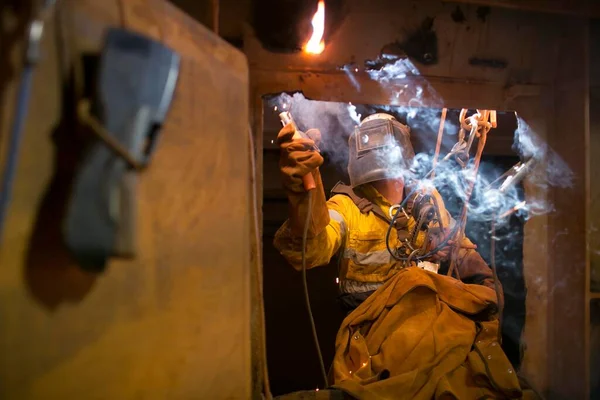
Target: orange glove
x=437 y=236
x=298 y=159
x=471 y=266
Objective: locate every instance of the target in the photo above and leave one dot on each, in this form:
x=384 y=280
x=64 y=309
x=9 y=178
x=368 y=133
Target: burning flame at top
x=316 y=45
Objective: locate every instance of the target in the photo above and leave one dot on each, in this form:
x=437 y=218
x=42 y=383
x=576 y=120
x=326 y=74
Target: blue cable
x=16 y=137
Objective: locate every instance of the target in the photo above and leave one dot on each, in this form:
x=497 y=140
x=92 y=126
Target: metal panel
x=569 y=7
x=175 y=321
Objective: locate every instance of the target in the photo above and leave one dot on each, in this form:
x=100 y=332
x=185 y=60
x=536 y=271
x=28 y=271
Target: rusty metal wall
x=175 y=321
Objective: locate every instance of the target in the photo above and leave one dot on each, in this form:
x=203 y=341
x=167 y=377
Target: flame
x=316 y=45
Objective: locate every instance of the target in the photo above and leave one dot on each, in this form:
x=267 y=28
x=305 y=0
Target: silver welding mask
x=380 y=149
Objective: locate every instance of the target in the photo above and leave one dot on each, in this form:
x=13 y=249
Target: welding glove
x=470 y=265
x=298 y=159
x=473 y=269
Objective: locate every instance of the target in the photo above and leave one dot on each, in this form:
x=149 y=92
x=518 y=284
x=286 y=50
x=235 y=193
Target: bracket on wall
x=135 y=86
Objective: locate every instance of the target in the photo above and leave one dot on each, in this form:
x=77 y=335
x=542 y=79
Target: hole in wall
x=288 y=327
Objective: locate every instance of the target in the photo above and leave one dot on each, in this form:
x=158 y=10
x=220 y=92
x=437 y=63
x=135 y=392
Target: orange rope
x=438 y=145
x=485 y=127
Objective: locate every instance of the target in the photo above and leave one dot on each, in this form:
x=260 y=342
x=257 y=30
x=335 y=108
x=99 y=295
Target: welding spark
x=316 y=45
x=351 y=76
x=275 y=108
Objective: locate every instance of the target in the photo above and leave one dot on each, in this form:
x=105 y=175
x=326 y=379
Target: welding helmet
x=380 y=149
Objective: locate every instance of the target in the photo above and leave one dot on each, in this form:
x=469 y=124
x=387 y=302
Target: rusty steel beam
x=581 y=8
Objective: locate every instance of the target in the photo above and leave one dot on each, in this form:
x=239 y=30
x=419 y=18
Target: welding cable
x=432 y=252
x=462 y=221
x=305 y=283
x=258 y=250
x=391 y=225
x=393 y=221
x=395 y=216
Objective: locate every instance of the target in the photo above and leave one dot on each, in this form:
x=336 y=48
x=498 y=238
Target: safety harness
x=366 y=206
x=349 y=301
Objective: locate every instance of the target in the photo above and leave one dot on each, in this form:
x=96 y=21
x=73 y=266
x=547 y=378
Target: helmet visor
x=374 y=136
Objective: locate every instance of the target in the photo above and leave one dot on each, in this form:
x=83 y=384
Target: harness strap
x=364 y=205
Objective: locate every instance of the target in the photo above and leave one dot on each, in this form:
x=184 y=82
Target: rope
x=438 y=145
x=478 y=122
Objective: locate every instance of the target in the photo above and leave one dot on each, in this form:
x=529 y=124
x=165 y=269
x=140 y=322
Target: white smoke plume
x=424 y=116
x=393 y=71
x=337 y=121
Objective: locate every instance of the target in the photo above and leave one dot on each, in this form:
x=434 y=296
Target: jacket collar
x=374 y=196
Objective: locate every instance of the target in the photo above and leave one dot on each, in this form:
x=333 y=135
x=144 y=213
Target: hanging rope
x=479 y=127
x=438 y=145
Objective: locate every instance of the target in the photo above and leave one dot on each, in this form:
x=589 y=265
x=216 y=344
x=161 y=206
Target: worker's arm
x=326 y=224
x=472 y=268
x=326 y=234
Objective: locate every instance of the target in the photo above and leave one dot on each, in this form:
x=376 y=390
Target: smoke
x=486 y=201
x=393 y=70
x=529 y=145
x=394 y=156
x=337 y=121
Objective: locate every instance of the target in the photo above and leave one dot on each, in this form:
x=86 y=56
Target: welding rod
x=286 y=118
x=513 y=210
x=513 y=176
x=519 y=173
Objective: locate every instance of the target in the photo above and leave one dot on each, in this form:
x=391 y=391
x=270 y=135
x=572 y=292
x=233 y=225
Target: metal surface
x=174 y=323
x=584 y=8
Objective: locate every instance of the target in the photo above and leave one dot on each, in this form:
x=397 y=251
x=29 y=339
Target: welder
x=411 y=332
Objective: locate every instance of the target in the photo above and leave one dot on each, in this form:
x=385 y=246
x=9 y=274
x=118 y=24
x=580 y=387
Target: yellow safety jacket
x=420 y=335
x=362 y=240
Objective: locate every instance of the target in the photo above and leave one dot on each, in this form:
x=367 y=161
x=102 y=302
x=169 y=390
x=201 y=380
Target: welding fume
x=411 y=331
